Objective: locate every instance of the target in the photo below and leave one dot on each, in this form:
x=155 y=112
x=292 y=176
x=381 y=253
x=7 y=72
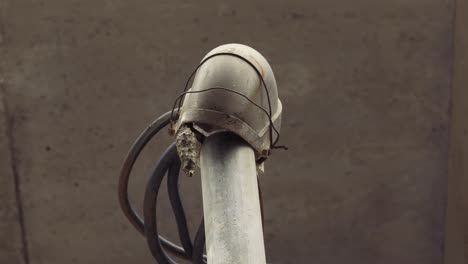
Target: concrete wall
x=457 y=225
x=365 y=86
x=10 y=227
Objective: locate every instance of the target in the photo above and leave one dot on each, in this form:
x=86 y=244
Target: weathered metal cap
x=234 y=90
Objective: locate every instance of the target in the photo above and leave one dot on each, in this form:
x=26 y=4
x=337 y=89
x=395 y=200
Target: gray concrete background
x=457 y=209
x=365 y=87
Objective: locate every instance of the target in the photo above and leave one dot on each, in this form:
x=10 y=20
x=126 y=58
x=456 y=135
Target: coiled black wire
x=169 y=164
x=186 y=251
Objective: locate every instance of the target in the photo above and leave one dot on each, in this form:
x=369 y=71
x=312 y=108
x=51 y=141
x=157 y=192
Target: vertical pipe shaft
x=233 y=224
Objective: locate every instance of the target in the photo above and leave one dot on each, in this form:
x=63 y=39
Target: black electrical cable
x=129 y=161
x=177 y=207
x=170 y=164
x=173 y=168
x=149 y=207
x=199 y=245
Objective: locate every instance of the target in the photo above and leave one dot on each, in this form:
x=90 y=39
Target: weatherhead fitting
x=234 y=89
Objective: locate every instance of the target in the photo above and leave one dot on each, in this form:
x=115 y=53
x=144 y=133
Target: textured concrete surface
x=11 y=239
x=457 y=211
x=10 y=232
x=365 y=87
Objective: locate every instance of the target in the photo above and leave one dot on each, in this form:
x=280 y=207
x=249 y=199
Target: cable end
x=280 y=147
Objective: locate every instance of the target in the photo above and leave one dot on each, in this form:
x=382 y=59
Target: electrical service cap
x=234 y=89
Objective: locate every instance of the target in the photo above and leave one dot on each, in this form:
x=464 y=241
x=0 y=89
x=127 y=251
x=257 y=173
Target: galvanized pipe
x=233 y=224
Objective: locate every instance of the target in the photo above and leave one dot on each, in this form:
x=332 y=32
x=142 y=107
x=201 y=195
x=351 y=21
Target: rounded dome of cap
x=227 y=93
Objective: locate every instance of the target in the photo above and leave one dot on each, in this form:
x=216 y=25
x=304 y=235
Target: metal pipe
x=233 y=224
